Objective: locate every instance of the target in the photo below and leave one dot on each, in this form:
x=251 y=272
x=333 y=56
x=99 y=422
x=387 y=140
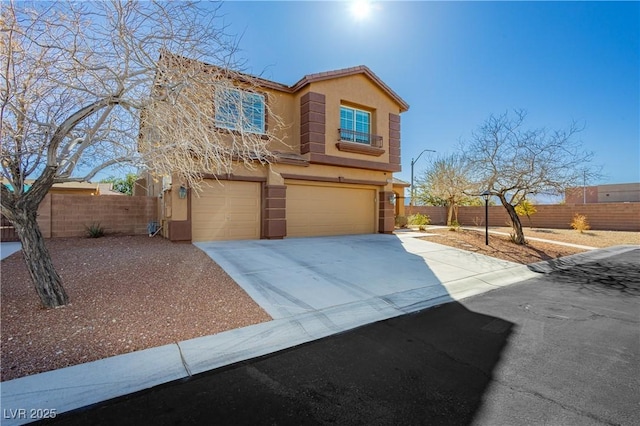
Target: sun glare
x=360 y=9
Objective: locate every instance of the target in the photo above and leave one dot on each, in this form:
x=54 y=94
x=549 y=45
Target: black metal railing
x=360 y=137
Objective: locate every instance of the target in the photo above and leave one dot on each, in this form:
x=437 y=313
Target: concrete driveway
x=300 y=275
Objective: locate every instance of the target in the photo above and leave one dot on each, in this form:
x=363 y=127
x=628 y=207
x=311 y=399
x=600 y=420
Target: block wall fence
x=66 y=215
x=601 y=216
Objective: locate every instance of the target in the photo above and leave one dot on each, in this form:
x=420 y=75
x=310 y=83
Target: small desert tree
x=76 y=79
x=123 y=185
x=444 y=183
x=513 y=162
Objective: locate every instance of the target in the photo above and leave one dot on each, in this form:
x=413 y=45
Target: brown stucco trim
x=231 y=176
x=362 y=181
x=180 y=230
x=310 y=178
x=394 y=139
x=359 y=148
x=353 y=163
x=339 y=179
x=274 y=212
x=386 y=213
x=293 y=162
x=312 y=123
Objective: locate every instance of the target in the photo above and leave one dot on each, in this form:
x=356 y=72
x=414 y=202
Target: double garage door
x=230 y=210
x=315 y=210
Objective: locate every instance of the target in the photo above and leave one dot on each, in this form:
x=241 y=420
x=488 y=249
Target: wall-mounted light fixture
x=182 y=192
x=392 y=199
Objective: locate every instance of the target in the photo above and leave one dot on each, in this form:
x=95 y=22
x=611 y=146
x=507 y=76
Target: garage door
x=226 y=210
x=329 y=210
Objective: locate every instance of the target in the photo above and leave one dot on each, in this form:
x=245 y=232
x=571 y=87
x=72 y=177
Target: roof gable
x=345 y=72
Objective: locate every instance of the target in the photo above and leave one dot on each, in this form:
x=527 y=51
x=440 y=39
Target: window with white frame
x=355 y=125
x=240 y=110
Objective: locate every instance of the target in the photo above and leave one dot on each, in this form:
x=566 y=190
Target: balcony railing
x=360 y=137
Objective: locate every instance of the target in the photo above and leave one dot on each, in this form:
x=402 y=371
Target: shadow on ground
x=430 y=367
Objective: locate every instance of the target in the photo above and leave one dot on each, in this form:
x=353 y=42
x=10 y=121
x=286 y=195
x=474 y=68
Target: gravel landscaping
x=126 y=294
x=500 y=246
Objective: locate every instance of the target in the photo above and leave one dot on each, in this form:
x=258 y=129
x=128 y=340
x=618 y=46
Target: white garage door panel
x=329 y=210
x=228 y=210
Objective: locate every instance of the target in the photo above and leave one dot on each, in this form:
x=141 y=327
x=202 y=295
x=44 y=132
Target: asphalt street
x=559 y=349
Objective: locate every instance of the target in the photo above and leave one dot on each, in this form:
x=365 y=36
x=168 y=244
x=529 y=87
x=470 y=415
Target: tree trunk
x=518 y=234
x=449 y=214
x=46 y=280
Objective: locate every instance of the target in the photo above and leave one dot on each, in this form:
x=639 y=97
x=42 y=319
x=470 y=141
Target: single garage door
x=330 y=210
x=226 y=210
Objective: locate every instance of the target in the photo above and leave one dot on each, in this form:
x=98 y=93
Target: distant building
x=615 y=193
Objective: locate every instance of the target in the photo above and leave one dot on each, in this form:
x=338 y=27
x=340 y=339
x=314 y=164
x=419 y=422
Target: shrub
x=95 y=230
x=525 y=208
x=454 y=226
x=422 y=228
x=579 y=223
x=401 y=221
x=419 y=219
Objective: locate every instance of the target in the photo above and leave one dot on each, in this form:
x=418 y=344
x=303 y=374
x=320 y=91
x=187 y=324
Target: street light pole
x=486 y=194
x=413 y=161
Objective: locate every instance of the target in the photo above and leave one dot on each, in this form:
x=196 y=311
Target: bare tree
x=512 y=162
x=445 y=183
x=76 y=80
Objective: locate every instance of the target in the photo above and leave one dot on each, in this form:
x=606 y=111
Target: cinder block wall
x=601 y=216
x=66 y=215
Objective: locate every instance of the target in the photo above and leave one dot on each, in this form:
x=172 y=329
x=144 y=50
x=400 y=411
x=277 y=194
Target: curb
x=567 y=262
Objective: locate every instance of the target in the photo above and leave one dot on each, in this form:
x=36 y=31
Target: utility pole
x=412 y=163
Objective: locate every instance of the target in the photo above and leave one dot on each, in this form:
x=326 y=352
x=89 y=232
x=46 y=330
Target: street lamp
x=412 y=163
x=486 y=194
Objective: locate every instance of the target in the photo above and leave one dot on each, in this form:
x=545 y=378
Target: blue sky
x=456 y=63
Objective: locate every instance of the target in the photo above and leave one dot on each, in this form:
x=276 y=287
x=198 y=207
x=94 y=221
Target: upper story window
x=240 y=110
x=355 y=126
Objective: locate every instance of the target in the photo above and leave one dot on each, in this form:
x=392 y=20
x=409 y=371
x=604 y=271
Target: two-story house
x=333 y=176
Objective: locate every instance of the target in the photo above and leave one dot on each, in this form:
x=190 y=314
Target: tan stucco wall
x=287 y=130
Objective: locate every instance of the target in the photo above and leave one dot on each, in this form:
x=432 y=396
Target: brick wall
x=602 y=216
x=66 y=215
